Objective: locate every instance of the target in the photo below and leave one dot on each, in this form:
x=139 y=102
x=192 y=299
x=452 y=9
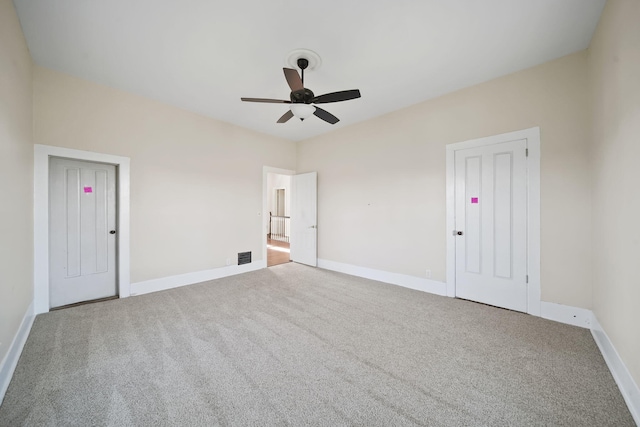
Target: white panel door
x=491 y=224
x=304 y=218
x=82 y=239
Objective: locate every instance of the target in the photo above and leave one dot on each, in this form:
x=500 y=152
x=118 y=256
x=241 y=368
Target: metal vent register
x=244 y=258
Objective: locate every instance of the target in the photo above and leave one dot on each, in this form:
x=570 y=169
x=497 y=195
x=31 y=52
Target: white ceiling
x=203 y=55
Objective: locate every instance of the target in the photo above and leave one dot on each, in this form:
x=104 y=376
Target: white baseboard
x=566 y=314
x=10 y=361
x=164 y=283
x=406 y=281
x=619 y=371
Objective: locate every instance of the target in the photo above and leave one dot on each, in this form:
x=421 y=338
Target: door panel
x=101 y=225
x=82 y=263
x=72 y=205
x=503 y=203
x=473 y=249
x=304 y=231
x=491 y=213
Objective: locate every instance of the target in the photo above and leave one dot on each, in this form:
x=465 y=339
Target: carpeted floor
x=293 y=345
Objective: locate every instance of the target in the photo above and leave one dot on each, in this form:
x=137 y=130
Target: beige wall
x=196 y=183
x=16 y=177
x=381 y=183
x=614 y=77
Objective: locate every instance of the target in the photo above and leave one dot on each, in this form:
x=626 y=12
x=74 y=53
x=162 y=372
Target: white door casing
x=82 y=239
x=532 y=255
x=491 y=224
x=304 y=219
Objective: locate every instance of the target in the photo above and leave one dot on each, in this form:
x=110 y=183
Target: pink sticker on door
x=88 y=189
x=474 y=200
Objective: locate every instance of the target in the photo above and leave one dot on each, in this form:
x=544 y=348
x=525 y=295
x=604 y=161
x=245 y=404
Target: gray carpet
x=293 y=345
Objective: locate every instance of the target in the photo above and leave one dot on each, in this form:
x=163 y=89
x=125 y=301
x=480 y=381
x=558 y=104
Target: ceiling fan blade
x=285 y=117
x=293 y=78
x=344 y=95
x=326 y=116
x=269 y=101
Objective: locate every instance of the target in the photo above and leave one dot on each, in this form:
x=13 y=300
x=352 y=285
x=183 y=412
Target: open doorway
x=279 y=219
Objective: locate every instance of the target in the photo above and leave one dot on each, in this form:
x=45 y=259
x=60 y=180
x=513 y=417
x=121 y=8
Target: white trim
x=628 y=387
x=532 y=136
x=451 y=222
x=170 y=282
x=566 y=314
x=533 y=231
x=10 y=361
x=265 y=210
x=406 y=281
x=41 y=218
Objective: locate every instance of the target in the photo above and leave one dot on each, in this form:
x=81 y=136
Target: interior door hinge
x=526 y=152
x=527 y=278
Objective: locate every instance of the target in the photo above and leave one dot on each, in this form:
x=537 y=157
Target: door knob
x=112 y=232
x=457 y=233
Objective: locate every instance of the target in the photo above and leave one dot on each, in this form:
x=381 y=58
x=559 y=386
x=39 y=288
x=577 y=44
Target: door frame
x=42 y=153
x=532 y=135
x=265 y=210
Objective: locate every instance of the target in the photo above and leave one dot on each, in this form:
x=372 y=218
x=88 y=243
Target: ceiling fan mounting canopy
x=314 y=60
x=301 y=95
x=303 y=63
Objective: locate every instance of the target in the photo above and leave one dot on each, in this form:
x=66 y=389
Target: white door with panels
x=491 y=224
x=304 y=218
x=82 y=231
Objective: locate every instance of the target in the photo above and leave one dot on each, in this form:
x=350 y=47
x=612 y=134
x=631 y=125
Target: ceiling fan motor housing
x=303 y=96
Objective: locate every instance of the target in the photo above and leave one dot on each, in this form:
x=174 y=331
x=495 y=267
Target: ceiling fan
x=302 y=99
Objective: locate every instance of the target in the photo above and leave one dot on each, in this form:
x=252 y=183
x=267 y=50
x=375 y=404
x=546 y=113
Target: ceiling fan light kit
x=301 y=98
x=303 y=111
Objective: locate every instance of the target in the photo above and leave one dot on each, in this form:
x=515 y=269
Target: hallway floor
x=277 y=252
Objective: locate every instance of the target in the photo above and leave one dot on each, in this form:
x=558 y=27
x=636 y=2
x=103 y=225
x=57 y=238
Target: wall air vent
x=244 y=258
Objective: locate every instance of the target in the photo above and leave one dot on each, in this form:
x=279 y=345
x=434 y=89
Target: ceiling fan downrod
x=303 y=63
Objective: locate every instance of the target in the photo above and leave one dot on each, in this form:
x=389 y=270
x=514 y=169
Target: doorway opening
x=279 y=220
x=299 y=202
